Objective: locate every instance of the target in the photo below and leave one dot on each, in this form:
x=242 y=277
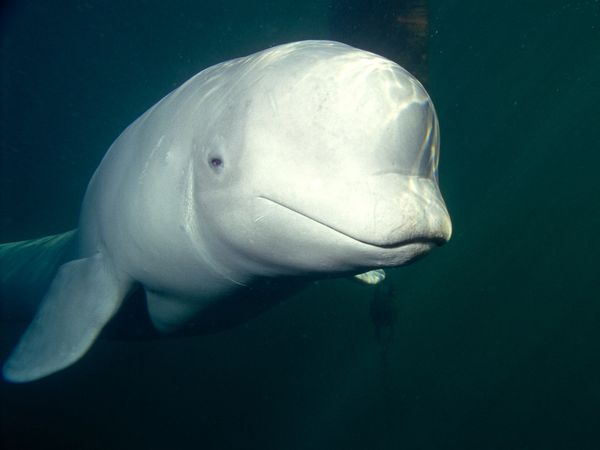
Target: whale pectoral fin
x=83 y=296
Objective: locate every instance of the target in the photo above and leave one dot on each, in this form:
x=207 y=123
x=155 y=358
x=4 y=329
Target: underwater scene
x=366 y=225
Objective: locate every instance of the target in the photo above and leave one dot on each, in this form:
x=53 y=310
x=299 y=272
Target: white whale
x=310 y=159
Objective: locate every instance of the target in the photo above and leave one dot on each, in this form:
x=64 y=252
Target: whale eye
x=216 y=163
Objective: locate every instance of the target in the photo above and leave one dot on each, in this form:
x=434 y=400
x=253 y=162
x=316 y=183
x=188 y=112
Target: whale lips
x=392 y=241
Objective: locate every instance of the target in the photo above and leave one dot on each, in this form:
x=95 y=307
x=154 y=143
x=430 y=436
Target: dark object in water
x=398 y=30
x=384 y=312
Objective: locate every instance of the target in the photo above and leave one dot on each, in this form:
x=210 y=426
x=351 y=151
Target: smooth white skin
x=329 y=166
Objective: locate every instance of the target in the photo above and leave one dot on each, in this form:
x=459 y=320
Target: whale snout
x=386 y=211
x=391 y=210
x=422 y=216
x=438 y=235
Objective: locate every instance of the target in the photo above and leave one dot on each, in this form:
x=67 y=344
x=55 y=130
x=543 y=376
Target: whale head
x=320 y=158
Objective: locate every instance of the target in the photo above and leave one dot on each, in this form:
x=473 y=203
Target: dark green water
x=496 y=343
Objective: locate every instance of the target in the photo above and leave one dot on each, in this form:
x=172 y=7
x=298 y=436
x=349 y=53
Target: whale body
x=306 y=160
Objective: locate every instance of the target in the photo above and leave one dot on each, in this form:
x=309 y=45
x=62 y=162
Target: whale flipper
x=83 y=296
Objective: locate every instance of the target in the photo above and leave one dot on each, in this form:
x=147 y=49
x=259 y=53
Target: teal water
x=494 y=341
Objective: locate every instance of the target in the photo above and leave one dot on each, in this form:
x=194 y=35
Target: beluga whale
x=307 y=160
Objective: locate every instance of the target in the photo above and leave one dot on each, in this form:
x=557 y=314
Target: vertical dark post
x=399 y=31
x=396 y=29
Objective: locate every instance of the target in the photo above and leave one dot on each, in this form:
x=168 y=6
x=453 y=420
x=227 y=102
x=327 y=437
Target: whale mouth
x=424 y=240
